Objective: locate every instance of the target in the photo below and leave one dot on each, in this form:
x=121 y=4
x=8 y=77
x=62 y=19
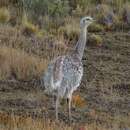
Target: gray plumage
x=63 y=75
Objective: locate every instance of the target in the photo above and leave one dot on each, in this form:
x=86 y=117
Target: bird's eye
x=84 y=21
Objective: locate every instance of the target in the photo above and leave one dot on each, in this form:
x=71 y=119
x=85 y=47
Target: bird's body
x=64 y=73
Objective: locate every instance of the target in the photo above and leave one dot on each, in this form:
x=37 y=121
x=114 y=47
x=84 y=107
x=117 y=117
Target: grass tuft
x=19 y=65
x=95 y=40
x=4 y=15
x=28 y=26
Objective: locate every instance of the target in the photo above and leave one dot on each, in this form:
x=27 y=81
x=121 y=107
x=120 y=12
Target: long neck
x=79 y=48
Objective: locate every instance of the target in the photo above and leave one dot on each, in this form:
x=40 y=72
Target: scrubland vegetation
x=32 y=32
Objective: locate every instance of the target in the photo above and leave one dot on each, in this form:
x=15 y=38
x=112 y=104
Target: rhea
x=63 y=75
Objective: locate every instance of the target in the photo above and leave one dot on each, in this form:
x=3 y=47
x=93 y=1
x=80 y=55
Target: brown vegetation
x=19 y=65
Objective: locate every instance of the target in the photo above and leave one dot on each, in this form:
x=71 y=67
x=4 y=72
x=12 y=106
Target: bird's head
x=86 y=21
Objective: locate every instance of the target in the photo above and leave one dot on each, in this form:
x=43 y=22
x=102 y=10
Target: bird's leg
x=57 y=104
x=70 y=99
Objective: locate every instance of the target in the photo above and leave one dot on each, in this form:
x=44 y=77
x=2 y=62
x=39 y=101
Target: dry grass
x=27 y=123
x=18 y=64
x=70 y=31
x=14 y=122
